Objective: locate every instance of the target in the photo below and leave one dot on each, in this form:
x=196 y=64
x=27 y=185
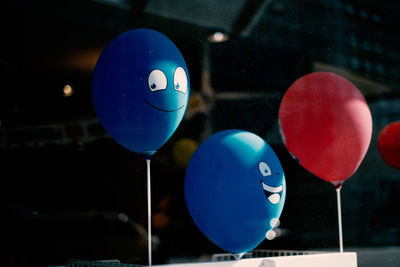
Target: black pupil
x=153 y=86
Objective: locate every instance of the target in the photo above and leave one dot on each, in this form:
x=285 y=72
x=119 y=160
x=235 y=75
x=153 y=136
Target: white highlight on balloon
x=274 y=222
x=270 y=235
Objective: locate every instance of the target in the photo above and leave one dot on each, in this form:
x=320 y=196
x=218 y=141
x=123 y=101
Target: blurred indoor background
x=69 y=191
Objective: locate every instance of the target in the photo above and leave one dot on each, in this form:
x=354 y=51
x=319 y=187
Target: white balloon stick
x=148 y=210
x=339 y=210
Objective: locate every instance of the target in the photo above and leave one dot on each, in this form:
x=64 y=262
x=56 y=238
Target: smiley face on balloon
x=141 y=89
x=273 y=193
x=158 y=81
x=235 y=189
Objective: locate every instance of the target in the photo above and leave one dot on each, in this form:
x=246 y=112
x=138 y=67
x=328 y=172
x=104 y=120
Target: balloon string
x=148 y=210
x=339 y=209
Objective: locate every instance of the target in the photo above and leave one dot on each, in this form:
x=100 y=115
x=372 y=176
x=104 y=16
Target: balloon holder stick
x=148 y=210
x=339 y=210
x=238 y=256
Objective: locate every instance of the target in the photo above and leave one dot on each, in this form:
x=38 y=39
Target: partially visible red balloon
x=389 y=144
x=326 y=124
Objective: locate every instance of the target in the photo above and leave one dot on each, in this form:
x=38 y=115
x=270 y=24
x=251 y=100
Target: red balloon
x=326 y=124
x=389 y=144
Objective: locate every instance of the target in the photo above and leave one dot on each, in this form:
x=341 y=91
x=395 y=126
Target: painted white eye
x=265 y=170
x=180 y=80
x=157 y=80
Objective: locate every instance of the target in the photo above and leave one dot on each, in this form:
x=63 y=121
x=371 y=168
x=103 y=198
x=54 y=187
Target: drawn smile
x=273 y=194
x=164 y=110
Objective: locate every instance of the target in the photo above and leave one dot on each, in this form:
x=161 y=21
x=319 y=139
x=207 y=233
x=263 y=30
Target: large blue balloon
x=235 y=189
x=141 y=89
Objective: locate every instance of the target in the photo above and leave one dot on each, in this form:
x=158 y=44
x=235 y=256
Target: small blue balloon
x=235 y=189
x=141 y=89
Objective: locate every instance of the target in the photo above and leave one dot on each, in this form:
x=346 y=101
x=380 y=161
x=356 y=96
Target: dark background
x=68 y=191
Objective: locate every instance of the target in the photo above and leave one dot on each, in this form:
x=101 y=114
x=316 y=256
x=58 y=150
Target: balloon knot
x=338 y=185
x=146 y=156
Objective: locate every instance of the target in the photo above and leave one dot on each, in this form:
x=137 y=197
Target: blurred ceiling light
x=218 y=37
x=68 y=90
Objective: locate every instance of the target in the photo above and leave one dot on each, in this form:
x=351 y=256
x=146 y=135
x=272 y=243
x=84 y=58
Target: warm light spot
x=68 y=90
x=183 y=151
x=80 y=60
